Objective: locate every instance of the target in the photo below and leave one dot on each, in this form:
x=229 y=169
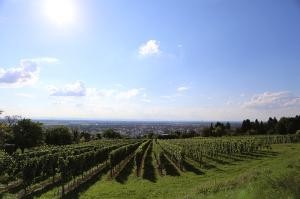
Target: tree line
x=283 y=126
x=286 y=125
x=21 y=133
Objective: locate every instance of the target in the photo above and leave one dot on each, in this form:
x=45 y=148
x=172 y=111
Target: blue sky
x=150 y=60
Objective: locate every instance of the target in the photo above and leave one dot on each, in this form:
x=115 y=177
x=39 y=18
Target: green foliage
x=206 y=131
x=140 y=152
x=173 y=151
x=216 y=130
x=228 y=181
x=99 y=136
x=27 y=134
x=86 y=136
x=70 y=161
x=76 y=136
x=111 y=134
x=6 y=134
x=47 y=161
x=286 y=125
x=117 y=155
x=197 y=149
x=58 y=136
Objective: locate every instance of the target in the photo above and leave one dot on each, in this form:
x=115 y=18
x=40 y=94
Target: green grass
x=271 y=176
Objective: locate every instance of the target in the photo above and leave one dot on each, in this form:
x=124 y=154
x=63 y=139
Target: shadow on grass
x=83 y=187
x=43 y=190
x=16 y=189
x=266 y=153
x=230 y=157
x=256 y=155
x=169 y=166
x=207 y=165
x=217 y=160
x=190 y=167
x=124 y=174
x=149 y=170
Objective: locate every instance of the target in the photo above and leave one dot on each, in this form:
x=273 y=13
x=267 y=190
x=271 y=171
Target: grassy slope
x=245 y=179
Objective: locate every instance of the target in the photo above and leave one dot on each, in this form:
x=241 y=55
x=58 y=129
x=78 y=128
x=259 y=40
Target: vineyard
x=63 y=170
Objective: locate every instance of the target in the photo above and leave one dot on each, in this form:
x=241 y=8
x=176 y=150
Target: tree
x=99 y=136
x=218 y=131
x=228 y=126
x=262 y=128
x=292 y=126
x=10 y=121
x=86 y=136
x=206 y=131
x=58 y=136
x=27 y=134
x=246 y=126
x=256 y=125
x=2 y=132
x=271 y=125
x=6 y=135
x=281 y=126
x=111 y=134
x=76 y=135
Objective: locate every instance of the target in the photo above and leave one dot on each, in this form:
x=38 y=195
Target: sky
x=193 y=60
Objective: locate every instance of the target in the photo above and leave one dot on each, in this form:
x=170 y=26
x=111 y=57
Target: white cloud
x=273 y=100
x=145 y=98
x=49 y=60
x=76 y=89
x=94 y=95
x=106 y=92
x=125 y=95
x=151 y=47
x=26 y=73
x=182 y=88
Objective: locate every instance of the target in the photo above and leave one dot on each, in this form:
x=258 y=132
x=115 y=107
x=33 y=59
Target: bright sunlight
x=60 y=12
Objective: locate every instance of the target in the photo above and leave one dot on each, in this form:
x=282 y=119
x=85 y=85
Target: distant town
x=135 y=128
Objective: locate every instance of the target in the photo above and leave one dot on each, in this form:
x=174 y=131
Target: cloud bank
x=76 y=89
x=273 y=100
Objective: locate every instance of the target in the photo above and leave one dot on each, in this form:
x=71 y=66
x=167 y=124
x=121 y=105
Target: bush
x=111 y=134
x=58 y=136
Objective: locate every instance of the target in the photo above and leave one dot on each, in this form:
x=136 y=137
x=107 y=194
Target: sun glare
x=60 y=12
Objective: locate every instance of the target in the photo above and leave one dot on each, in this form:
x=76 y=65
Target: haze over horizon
x=191 y=60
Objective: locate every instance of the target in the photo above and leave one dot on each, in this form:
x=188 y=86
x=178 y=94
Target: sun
x=60 y=12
